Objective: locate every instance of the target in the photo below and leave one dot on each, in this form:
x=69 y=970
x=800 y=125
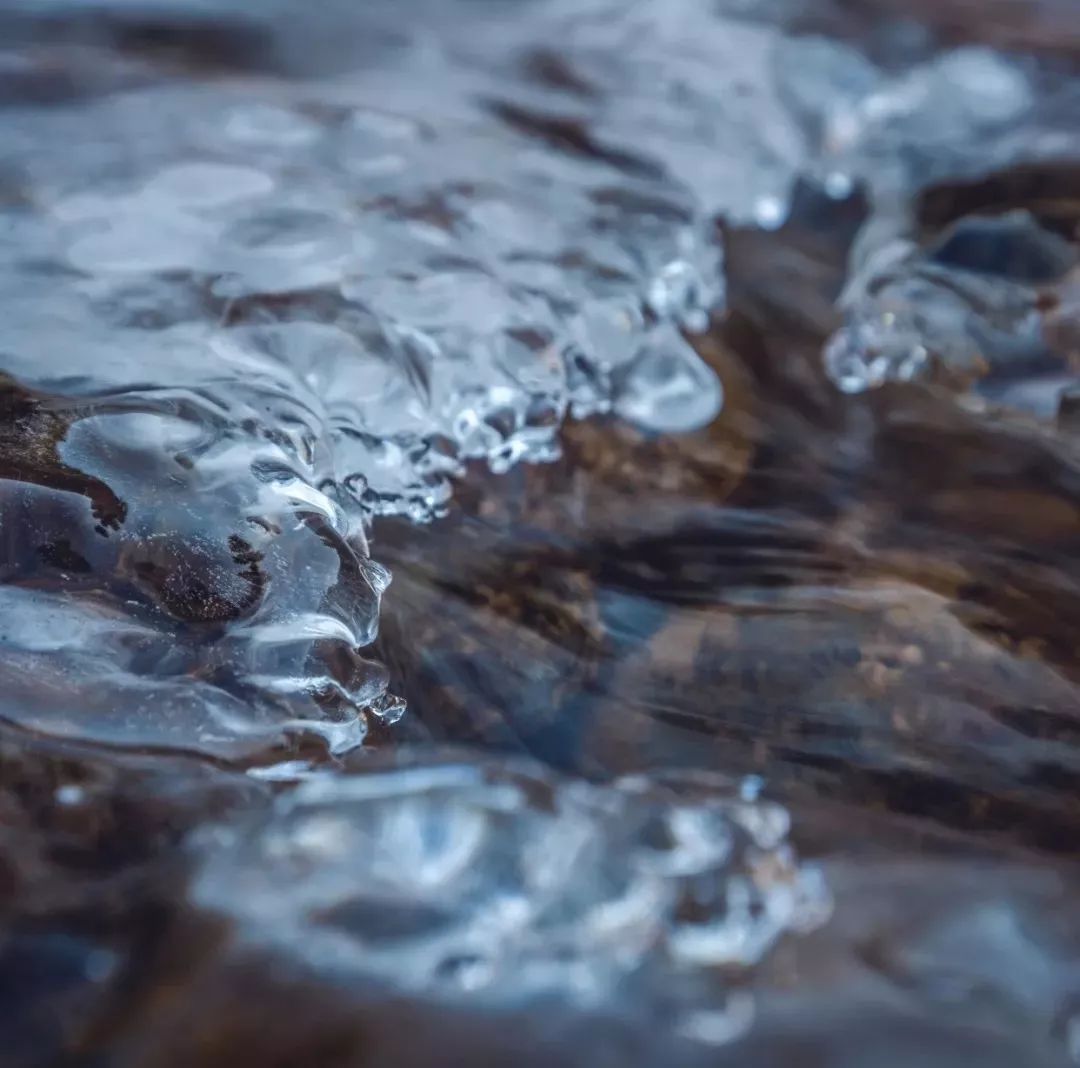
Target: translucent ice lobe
x=968 y=307
x=459 y=241
x=75 y=668
x=448 y=878
x=667 y=388
x=470 y=217
x=184 y=582
x=959 y=116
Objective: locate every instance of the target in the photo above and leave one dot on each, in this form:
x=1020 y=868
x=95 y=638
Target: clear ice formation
x=968 y=306
x=912 y=311
x=247 y=311
x=448 y=879
x=245 y=314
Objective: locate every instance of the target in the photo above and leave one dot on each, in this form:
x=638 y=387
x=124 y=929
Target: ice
x=247 y=314
x=463 y=251
x=667 y=387
x=448 y=878
x=967 y=307
x=263 y=290
x=956 y=114
x=911 y=312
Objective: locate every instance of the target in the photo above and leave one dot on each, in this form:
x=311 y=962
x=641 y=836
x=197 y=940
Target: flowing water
x=539 y=531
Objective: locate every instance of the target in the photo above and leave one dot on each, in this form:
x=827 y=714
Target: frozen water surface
x=246 y=313
x=495 y=881
x=277 y=273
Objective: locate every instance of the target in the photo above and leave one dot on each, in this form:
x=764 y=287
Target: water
x=719 y=710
